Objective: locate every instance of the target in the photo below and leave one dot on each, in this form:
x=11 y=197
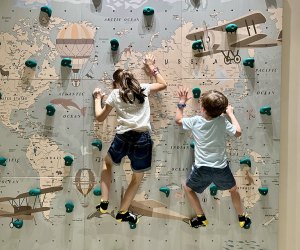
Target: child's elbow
x=238 y=133
x=99 y=118
x=178 y=122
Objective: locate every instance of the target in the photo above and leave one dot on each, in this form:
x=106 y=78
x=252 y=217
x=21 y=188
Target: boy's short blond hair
x=214 y=103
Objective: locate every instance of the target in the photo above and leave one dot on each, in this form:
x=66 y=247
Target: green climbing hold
x=31 y=63
x=114 y=44
x=263 y=190
x=3 y=161
x=97 y=143
x=50 y=110
x=198 y=44
x=249 y=62
x=132 y=225
x=196 y=92
x=34 y=192
x=192 y=144
x=66 y=62
x=97 y=191
x=246 y=160
x=266 y=110
x=148 y=11
x=68 y=160
x=232 y=27
x=18 y=223
x=69 y=206
x=165 y=190
x=47 y=10
x=213 y=190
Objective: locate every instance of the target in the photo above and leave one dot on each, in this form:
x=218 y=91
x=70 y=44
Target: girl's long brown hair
x=129 y=87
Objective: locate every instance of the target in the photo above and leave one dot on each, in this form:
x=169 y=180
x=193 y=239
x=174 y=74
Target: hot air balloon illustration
x=85 y=181
x=76 y=41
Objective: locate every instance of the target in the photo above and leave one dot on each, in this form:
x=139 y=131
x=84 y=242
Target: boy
x=211 y=164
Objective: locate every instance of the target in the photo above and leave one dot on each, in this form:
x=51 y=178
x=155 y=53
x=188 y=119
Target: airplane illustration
x=22 y=210
x=227 y=39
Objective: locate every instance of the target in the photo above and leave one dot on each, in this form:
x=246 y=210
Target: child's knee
x=186 y=188
x=233 y=189
x=108 y=161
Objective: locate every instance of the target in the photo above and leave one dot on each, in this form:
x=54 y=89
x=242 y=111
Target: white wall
x=289 y=224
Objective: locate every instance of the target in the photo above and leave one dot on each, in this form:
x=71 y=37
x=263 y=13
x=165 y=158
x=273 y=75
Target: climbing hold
x=213 y=190
x=263 y=190
x=266 y=110
x=50 y=110
x=198 y=44
x=66 y=62
x=3 y=161
x=246 y=160
x=196 y=92
x=231 y=27
x=132 y=225
x=18 y=223
x=31 y=63
x=249 y=62
x=97 y=143
x=0 y=96
x=47 y=10
x=69 y=206
x=114 y=44
x=165 y=190
x=68 y=160
x=97 y=191
x=148 y=11
x=192 y=144
x=34 y=192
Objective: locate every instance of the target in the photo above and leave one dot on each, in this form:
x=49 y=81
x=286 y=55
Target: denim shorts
x=200 y=178
x=136 y=145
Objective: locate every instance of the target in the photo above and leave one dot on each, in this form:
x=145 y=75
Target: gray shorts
x=200 y=178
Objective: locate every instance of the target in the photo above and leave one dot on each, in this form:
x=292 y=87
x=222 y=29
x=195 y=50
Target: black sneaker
x=199 y=221
x=245 y=221
x=102 y=207
x=127 y=216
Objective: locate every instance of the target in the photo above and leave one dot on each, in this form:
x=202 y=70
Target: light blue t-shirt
x=210 y=142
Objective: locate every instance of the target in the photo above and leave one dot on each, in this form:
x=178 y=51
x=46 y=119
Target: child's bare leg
x=106 y=177
x=236 y=200
x=131 y=191
x=194 y=200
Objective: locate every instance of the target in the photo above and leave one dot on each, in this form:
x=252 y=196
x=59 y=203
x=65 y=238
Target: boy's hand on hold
x=183 y=95
x=229 y=110
x=98 y=94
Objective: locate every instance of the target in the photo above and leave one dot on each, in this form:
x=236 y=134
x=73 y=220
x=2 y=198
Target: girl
x=130 y=99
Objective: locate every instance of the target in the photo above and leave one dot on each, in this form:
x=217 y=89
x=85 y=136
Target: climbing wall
x=54 y=53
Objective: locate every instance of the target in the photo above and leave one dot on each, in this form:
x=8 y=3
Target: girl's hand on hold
x=98 y=93
x=149 y=62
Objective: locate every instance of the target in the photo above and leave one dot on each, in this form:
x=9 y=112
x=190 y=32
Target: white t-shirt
x=210 y=141
x=134 y=116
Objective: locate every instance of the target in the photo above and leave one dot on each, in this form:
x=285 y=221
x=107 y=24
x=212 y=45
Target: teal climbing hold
x=97 y=143
x=47 y=10
x=31 y=63
x=148 y=11
x=165 y=190
x=34 y=192
x=18 y=223
x=66 y=62
x=69 y=206
x=266 y=110
x=213 y=190
x=192 y=144
x=132 y=225
x=50 y=110
x=249 y=62
x=246 y=160
x=232 y=27
x=198 y=44
x=114 y=43
x=263 y=190
x=68 y=160
x=3 y=161
x=196 y=92
x=97 y=191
